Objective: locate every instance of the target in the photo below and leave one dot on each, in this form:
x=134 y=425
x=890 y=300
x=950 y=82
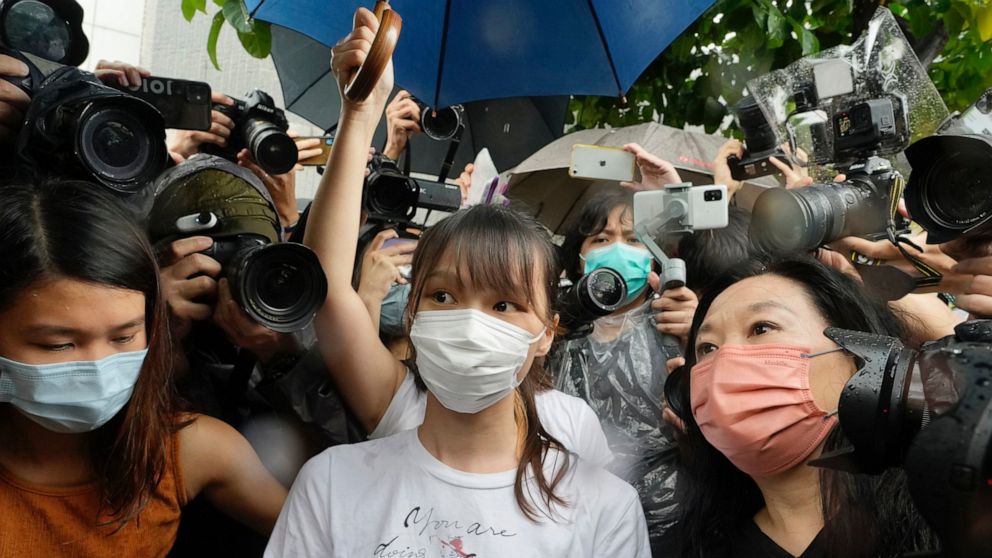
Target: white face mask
x=468 y=359
x=71 y=397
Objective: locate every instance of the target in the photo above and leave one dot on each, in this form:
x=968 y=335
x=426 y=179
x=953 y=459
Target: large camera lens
x=36 y=28
x=758 y=133
x=270 y=146
x=595 y=295
x=391 y=195
x=950 y=189
x=790 y=221
x=441 y=124
x=119 y=148
x=280 y=286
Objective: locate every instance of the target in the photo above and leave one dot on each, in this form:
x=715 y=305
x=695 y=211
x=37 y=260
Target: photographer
x=282 y=187
x=620 y=368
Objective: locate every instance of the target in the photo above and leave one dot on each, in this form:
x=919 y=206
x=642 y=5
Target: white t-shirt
x=567 y=418
x=390 y=498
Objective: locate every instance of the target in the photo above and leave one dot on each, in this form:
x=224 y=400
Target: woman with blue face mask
x=480 y=472
x=95 y=457
x=620 y=367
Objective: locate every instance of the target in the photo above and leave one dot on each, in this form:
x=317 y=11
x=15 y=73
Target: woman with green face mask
x=620 y=367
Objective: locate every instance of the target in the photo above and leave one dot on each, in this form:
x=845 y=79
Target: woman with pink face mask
x=758 y=395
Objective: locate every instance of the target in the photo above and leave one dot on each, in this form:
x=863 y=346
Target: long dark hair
x=506 y=251
x=590 y=222
x=865 y=516
x=66 y=229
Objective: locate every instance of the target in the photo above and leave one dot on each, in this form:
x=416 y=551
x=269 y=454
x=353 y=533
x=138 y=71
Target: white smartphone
x=602 y=163
x=706 y=207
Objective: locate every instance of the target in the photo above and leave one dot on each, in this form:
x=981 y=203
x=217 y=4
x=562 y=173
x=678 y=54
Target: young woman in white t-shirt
x=481 y=476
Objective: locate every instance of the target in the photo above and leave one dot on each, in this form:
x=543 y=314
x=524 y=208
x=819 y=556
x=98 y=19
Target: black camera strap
x=898 y=283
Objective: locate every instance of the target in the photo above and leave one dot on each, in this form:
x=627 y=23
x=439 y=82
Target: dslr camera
x=74 y=118
x=394 y=197
x=261 y=128
x=280 y=285
x=847 y=107
x=928 y=411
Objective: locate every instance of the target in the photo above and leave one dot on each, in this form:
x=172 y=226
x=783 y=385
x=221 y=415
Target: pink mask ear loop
x=833 y=413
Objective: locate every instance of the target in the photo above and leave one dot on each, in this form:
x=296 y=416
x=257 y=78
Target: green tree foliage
x=703 y=73
x=255 y=36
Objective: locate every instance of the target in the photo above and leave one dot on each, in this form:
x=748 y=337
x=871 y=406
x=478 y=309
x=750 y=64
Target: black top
x=753 y=543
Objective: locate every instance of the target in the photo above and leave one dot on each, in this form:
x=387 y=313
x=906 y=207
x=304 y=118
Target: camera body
x=260 y=127
x=928 y=411
x=391 y=196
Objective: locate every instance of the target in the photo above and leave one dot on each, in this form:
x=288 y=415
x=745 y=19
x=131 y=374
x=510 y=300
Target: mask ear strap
x=828 y=351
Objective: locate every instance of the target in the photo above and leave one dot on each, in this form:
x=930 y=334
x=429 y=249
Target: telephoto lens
x=597 y=294
x=792 y=221
x=280 y=286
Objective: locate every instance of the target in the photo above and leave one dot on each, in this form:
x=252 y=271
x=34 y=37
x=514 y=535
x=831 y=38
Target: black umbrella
x=512 y=128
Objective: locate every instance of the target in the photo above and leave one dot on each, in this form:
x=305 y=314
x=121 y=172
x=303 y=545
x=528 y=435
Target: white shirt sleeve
x=303 y=527
x=593 y=446
x=626 y=534
x=406 y=410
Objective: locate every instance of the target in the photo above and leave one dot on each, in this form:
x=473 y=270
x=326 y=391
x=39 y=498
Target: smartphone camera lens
x=712 y=195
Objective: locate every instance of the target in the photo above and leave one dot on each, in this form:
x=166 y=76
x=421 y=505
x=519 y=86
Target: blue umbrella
x=454 y=52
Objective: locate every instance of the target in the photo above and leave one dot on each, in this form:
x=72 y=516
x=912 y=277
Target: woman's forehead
x=764 y=290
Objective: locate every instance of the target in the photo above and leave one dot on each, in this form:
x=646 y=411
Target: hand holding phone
x=184 y=104
x=602 y=163
x=324 y=144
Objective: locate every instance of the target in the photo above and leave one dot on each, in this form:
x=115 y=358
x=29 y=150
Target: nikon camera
x=261 y=128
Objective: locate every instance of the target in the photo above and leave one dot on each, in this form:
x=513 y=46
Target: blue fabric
x=507 y=48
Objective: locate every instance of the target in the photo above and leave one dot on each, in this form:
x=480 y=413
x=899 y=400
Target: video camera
x=393 y=197
x=261 y=128
x=848 y=107
x=929 y=412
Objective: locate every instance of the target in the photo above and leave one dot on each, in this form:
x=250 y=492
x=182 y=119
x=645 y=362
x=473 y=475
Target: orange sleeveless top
x=41 y=521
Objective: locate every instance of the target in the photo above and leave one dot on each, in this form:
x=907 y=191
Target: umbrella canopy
x=512 y=128
x=455 y=52
x=543 y=186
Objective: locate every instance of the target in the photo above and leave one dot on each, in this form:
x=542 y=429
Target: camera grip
x=368 y=74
